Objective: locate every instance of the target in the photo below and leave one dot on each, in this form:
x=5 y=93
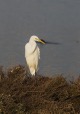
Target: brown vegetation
x=20 y=94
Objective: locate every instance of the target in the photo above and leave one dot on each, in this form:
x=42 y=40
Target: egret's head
x=36 y=39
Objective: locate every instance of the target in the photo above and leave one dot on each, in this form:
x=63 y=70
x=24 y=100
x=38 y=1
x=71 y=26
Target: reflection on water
x=54 y=21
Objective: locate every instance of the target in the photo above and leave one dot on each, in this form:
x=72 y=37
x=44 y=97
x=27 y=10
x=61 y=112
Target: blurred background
x=51 y=20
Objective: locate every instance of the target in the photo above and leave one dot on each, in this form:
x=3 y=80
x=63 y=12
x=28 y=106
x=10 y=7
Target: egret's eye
x=36 y=39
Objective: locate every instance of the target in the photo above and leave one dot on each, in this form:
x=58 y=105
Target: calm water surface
x=51 y=20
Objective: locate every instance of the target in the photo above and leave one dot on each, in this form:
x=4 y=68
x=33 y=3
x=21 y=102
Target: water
x=51 y=20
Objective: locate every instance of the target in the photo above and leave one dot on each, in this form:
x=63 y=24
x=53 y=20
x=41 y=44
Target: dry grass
x=20 y=94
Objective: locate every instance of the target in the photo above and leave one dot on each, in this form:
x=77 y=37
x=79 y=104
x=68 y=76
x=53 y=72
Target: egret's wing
x=39 y=52
x=26 y=49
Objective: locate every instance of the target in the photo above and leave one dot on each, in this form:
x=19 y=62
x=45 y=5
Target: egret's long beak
x=41 y=41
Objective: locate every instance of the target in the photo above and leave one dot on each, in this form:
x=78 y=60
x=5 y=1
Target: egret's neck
x=32 y=42
x=32 y=45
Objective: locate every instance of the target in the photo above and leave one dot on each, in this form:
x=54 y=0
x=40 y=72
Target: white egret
x=32 y=54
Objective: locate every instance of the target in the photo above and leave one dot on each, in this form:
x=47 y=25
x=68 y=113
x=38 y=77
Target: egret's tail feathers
x=32 y=71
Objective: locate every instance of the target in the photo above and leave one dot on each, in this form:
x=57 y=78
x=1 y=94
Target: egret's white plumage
x=32 y=54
